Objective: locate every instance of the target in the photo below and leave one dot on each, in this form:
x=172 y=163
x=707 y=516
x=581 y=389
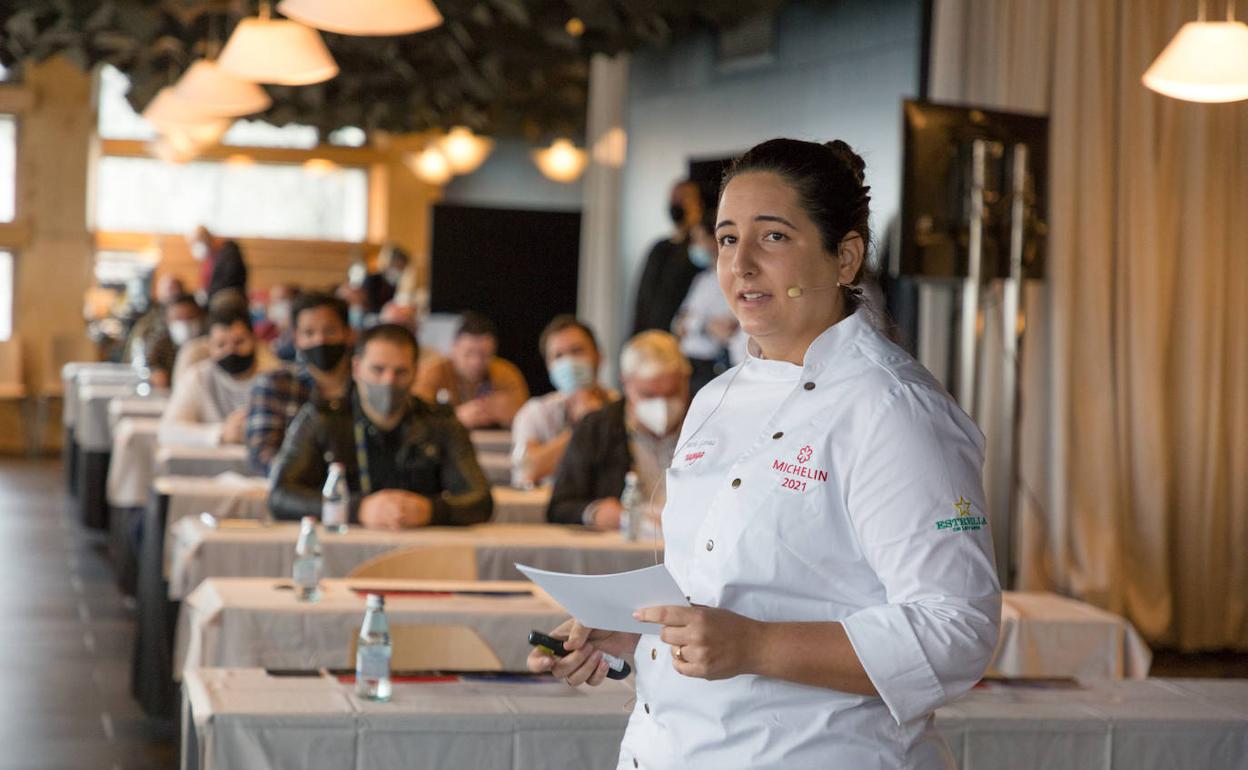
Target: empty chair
x=12 y=385
x=422 y=562
x=432 y=647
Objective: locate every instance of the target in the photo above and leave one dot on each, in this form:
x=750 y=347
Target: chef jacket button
x=710 y=545
x=647 y=707
x=778 y=434
x=635 y=762
x=689 y=599
x=809 y=386
x=654 y=652
x=736 y=483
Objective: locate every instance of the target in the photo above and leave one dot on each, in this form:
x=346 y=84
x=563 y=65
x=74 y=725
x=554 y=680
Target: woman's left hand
x=707 y=642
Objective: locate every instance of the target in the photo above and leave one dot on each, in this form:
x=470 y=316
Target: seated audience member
x=400 y=313
x=209 y=401
x=183 y=323
x=276 y=327
x=322 y=374
x=485 y=390
x=638 y=434
x=198 y=349
x=705 y=324
x=543 y=426
x=408 y=463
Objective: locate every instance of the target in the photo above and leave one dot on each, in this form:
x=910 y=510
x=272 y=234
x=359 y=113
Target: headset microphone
x=797 y=291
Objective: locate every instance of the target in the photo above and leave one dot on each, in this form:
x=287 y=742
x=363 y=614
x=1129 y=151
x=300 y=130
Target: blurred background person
x=408 y=463
x=209 y=401
x=380 y=287
x=485 y=390
x=198 y=348
x=637 y=433
x=543 y=426
x=708 y=331
x=668 y=272
x=221 y=264
x=184 y=321
x=276 y=329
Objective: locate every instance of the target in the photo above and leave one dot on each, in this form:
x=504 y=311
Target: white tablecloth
x=136 y=406
x=84 y=372
x=202 y=461
x=195 y=552
x=257 y=623
x=495 y=441
x=133 y=460
x=92 y=430
x=244 y=718
x=496 y=466
x=1153 y=724
x=247 y=497
x=1045 y=635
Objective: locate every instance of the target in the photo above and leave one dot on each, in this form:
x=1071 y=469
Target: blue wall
x=841 y=70
x=510 y=180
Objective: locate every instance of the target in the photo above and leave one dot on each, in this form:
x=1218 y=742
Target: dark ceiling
x=499 y=66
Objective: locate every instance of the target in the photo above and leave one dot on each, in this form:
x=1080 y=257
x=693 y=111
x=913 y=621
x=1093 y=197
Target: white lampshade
x=277 y=51
x=431 y=166
x=168 y=110
x=364 y=17
x=562 y=161
x=209 y=90
x=464 y=150
x=1207 y=61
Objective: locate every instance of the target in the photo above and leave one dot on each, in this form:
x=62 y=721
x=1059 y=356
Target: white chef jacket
x=847 y=489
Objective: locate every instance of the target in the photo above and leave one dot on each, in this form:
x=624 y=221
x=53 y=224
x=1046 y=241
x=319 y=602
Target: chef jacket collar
x=823 y=349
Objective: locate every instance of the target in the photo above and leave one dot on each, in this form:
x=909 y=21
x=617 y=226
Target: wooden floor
x=65 y=633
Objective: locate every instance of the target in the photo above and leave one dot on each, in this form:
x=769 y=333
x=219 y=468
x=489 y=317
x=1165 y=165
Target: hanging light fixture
x=171 y=116
x=162 y=149
x=562 y=161
x=208 y=90
x=430 y=166
x=1207 y=61
x=364 y=17
x=277 y=51
x=464 y=150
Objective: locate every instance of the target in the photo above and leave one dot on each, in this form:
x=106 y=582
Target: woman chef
x=824 y=514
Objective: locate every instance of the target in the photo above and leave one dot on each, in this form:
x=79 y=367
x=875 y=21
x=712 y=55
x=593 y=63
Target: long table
x=245 y=718
x=256 y=622
x=316 y=722
x=196 y=551
x=1046 y=635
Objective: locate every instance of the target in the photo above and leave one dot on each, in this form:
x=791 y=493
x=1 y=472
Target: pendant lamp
x=277 y=51
x=364 y=17
x=561 y=162
x=464 y=150
x=209 y=90
x=430 y=166
x=1207 y=61
x=171 y=115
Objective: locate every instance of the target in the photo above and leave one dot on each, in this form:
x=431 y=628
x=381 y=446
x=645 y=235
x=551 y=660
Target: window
x=8 y=167
x=6 y=295
x=320 y=201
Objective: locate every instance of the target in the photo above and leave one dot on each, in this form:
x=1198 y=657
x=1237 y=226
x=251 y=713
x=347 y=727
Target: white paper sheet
x=609 y=601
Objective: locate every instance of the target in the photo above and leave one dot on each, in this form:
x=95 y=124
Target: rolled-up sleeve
x=916 y=502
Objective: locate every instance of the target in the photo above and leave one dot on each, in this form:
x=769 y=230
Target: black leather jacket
x=435 y=459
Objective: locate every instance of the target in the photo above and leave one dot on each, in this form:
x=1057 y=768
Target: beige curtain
x=1134 y=442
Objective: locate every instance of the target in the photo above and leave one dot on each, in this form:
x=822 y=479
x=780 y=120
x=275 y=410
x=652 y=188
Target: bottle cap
x=309 y=521
x=376 y=601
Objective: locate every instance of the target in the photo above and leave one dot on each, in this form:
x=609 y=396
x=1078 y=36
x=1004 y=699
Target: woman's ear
x=850 y=254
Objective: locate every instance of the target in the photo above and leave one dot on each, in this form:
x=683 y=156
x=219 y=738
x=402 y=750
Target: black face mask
x=237 y=364
x=323 y=357
x=677 y=212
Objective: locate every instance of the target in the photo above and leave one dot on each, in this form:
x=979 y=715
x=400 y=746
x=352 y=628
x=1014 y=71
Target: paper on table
x=609 y=601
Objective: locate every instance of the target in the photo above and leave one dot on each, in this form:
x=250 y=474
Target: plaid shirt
x=275 y=399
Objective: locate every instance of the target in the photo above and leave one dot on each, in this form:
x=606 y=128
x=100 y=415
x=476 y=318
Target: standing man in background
x=220 y=261
x=668 y=272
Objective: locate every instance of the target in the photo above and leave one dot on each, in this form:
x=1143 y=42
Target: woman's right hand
x=583 y=664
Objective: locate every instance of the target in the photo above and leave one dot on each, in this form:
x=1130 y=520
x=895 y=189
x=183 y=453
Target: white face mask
x=657 y=414
x=181 y=331
x=199 y=251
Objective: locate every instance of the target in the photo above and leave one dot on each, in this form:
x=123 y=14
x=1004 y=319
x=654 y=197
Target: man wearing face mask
x=636 y=434
x=408 y=463
x=668 y=272
x=221 y=263
x=183 y=323
x=208 y=406
x=709 y=333
x=543 y=426
x=322 y=374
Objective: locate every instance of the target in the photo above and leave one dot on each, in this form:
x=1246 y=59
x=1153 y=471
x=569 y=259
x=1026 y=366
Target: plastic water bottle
x=372 y=652
x=334 y=499
x=308 y=562
x=630 y=505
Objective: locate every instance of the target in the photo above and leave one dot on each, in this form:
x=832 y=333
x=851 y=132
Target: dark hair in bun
x=828 y=179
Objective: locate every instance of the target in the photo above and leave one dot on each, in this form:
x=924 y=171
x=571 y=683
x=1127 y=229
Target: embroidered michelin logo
x=964 y=521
